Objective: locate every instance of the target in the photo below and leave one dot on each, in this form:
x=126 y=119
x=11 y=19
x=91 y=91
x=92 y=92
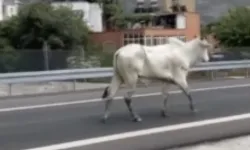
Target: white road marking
x=116 y=98
x=126 y=135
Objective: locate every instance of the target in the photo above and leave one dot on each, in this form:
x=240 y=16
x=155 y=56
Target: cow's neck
x=190 y=54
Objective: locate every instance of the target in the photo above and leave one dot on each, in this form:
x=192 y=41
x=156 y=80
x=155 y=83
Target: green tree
x=42 y=25
x=8 y=55
x=42 y=28
x=233 y=29
x=113 y=14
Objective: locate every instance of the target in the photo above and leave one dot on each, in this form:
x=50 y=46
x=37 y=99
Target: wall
x=1 y=10
x=92 y=13
x=8 y=9
x=164 y=32
x=108 y=39
x=95 y=17
x=190 y=4
x=193 y=25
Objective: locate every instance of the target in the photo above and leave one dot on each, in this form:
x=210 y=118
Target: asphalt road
x=30 y=122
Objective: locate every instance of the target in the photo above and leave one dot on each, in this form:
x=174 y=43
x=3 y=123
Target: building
x=92 y=12
x=163 y=5
x=190 y=5
x=8 y=8
x=186 y=28
x=162 y=24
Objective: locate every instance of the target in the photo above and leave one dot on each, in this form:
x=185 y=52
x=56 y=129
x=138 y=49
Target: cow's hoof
x=104 y=120
x=164 y=114
x=137 y=119
x=194 y=110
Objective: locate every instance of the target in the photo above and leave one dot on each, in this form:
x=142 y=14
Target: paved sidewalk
x=240 y=143
x=51 y=87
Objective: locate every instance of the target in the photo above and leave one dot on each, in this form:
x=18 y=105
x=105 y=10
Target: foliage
x=113 y=15
x=8 y=56
x=233 y=29
x=37 y=26
x=139 y=17
x=78 y=59
x=209 y=28
x=178 y=8
x=40 y=22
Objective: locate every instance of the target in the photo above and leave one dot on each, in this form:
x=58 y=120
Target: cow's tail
x=106 y=92
x=116 y=73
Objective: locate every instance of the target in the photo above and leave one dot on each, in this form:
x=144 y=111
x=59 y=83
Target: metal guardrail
x=73 y=74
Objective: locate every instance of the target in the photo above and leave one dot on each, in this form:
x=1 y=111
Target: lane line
x=150 y=131
x=116 y=98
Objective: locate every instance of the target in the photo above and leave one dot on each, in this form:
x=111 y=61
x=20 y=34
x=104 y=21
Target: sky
x=212 y=9
x=208 y=9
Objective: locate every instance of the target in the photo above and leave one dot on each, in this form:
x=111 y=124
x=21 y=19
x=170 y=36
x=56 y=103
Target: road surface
x=33 y=122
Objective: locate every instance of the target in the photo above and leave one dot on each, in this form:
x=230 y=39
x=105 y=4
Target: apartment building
x=180 y=23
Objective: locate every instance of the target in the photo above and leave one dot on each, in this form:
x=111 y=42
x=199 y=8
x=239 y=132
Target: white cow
x=169 y=63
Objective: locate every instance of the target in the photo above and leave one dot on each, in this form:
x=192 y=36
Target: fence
x=33 y=60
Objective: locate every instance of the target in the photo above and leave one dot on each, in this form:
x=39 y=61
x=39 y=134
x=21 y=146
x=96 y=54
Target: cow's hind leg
x=165 y=99
x=184 y=87
x=108 y=95
x=128 y=99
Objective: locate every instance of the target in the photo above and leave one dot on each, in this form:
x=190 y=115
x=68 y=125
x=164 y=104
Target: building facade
x=186 y=28
x=182 y=22
x=8 y=8
x=92 y=12
x=163 y=5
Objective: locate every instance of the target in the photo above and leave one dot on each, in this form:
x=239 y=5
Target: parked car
x=225 y=56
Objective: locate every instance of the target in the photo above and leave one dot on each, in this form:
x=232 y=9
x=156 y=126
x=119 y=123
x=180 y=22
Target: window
x=155 y=40
x=11 y=11
x=129 y=38
x=183 y=38
x=148 y=40
x=163 y=40
x=140 y=6
x=154 y=7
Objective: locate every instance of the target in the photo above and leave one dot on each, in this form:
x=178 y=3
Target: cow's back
x=130 y=61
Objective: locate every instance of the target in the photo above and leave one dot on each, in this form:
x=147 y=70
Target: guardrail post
x=74 y=85
x=211 y=75
x=10 y=89
x=247 y=73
